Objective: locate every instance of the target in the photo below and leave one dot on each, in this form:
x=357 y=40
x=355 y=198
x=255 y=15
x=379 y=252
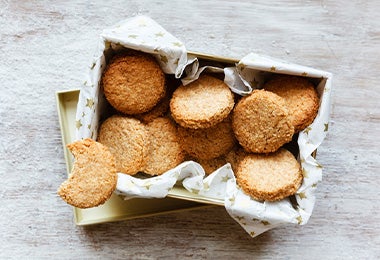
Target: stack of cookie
x=160 y=123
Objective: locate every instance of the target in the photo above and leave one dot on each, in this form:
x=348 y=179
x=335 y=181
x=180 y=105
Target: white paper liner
x=143 y=34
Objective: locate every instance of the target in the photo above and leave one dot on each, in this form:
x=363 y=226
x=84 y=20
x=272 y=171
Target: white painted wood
x=47 y=46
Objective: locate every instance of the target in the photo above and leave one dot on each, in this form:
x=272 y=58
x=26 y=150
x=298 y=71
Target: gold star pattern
x=314 y=185
x=83 y=114
x=90 y=102
x=326 y=127
x=177 y=44
x=307 y=130
x=305 y=174
x=160 y=34
x=78 y=124
x=89 y=126
x=156 y=49
x=232 y=200
x=195 y=191
x=302 y=195
x=273 y=68
x=206 y=186
x=142 y=23
x=225 y=178
x=252 y=233
x=176 y=62
x=164 y=59
x=132 y=36
x=299 y=220
x=319 y=165
x=93 y=65
x=304 y=74
x=148 y=185
x=265 y=223
x=240 y=218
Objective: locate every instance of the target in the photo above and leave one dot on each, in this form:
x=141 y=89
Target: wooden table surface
x=46 y=47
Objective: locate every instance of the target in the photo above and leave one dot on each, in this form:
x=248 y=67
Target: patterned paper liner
x=143 y=34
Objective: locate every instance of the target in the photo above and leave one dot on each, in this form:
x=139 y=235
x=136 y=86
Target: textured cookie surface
x=269 y=177
x=300 y=96
x=133 y=84
x=164 y=150
x=93 y=177
x=261 y=122
x=126 y=138
x=201 y=104
x=208 y=143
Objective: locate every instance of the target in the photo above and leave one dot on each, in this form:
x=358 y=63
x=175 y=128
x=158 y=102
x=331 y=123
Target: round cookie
x=164 y=149
x=133 y=84
x=300 y=97
x=261 y=122
x=126 y=138
x=93 y=177
x=269 y=177
x=208 y=143
x=201 y=104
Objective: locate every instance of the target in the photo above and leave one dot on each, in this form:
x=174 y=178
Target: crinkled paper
x=143 y=34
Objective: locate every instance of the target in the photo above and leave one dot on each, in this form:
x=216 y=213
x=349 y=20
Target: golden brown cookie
x=212 y=165
x=208 y=143
x=201 y=104
x=93 y=177
x=269 y=177
x=300 y=96
x=133 y=84
x=261 y=122
x=164 y=149
x=127 y=139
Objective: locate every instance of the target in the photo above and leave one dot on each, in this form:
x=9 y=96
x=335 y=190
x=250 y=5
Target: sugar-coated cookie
x=208 y=143
x=93 y=177
x=261 y=122
x=269 y=177
x=300 y=97
x=133 y=84
x=202 y=103
x=164 y=151
x=127 y=139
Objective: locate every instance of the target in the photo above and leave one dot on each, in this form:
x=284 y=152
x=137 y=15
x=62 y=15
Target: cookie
x=202 y=103
x=212 y=165
x=208 y=143
x=93 y=177
x=164 y=150
x=261 y=122
x=300 y=97
x=269 y=177
x=127 y=139
x=133 y=84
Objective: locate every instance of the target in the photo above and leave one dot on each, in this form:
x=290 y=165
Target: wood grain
x=48 y=46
